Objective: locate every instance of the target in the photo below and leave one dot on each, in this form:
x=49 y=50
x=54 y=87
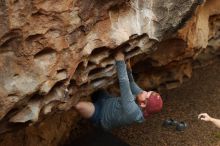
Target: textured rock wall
x=43 y=42
x=194 y=45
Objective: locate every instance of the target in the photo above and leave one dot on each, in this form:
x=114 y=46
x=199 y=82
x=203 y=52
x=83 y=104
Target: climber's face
x=142 y=98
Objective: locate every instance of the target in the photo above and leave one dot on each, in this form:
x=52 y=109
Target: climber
x=205 y=117
x=134 y=105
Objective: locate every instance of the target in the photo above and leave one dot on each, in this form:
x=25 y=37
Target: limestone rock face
x=47 y=45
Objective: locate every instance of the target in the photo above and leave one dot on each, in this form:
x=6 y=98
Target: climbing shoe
x=181 y=126
x=169 y=122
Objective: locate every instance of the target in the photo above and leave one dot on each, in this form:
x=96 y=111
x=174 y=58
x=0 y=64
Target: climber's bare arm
x=85 y=109
x=216 y=122
x=207 y=118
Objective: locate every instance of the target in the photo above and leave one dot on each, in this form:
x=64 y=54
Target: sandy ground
x=199 y=94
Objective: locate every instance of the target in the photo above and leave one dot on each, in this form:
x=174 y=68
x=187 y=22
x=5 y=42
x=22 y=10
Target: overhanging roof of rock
x=41 y=41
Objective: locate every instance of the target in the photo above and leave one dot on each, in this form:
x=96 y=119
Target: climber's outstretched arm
x=207 y=118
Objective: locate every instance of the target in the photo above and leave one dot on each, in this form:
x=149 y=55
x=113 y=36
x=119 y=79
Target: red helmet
x=154 y=104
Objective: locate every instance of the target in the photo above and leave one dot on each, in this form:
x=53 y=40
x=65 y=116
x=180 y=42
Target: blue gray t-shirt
x=121 y=111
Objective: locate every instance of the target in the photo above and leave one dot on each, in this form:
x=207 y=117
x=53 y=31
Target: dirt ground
x=199 y=94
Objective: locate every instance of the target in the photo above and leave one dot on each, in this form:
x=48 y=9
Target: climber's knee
x=85 y=109
x=79 y=105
